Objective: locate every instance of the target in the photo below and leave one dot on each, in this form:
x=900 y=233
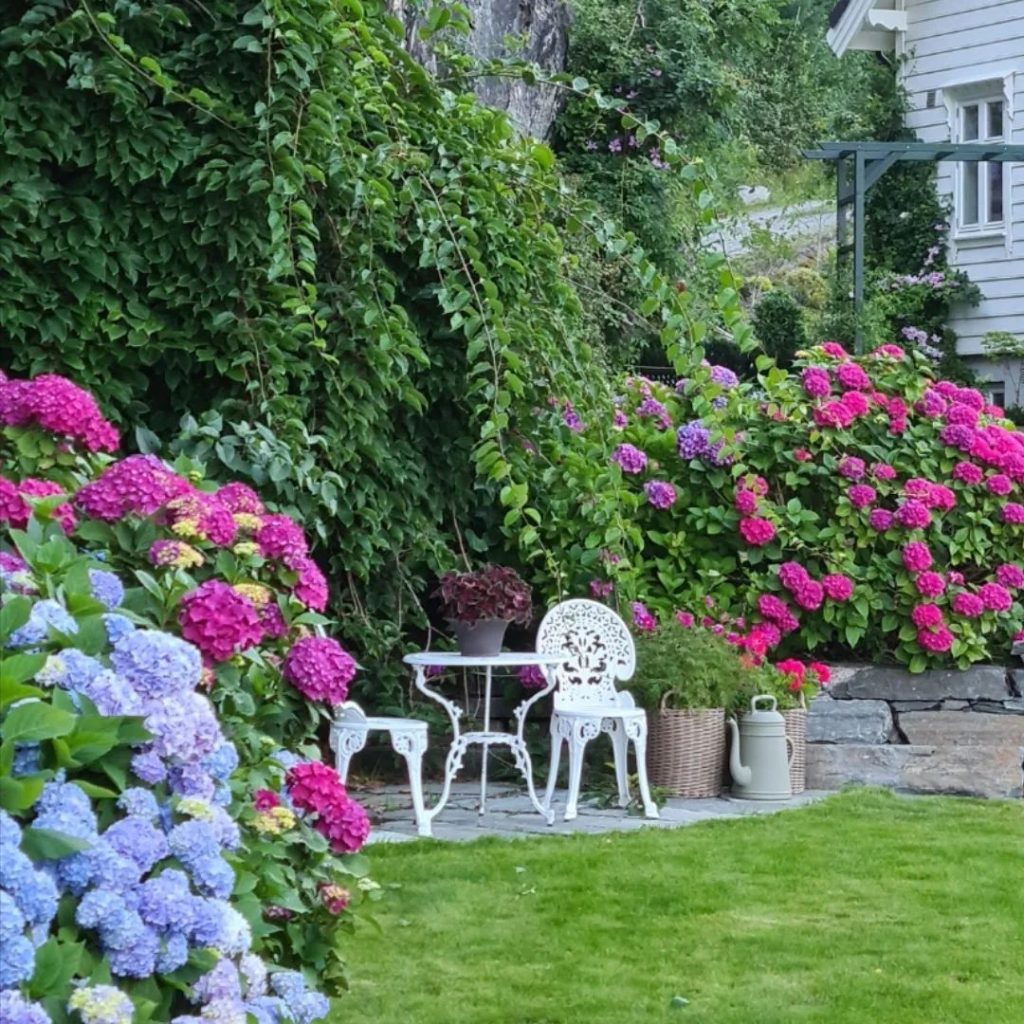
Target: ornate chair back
x=598 y=652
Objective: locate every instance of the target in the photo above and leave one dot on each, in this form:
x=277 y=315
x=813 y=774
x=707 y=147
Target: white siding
x=952 y=43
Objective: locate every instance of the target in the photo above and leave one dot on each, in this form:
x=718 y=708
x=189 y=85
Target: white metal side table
x=487 y=736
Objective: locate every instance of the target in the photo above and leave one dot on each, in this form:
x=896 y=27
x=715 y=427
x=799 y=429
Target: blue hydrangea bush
x=118 y=848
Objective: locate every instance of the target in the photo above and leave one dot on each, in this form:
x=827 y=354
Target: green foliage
x=779 y=326
x=350 y=282
x=689 y=668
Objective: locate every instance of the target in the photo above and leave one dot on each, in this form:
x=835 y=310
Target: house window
x=981 y=190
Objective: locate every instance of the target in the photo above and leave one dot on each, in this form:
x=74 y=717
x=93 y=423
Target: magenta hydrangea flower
x=816 y=382
x=757 y=532
x=855 y=403
x=272 y=621
x=14 y=509
x=281 y=537
x=630 y=458
x=660 y=494
x=917 y=556
x=883 y=471
x=320 y=669
x=834 y=350
x=238 y=498
x=930 y=584
x=532 y=677
x=745 y=501
x=1012 y=513
x=861 y=495
x=201 y=515
x=1010 y=576
x=995 y=597
x=968 y=605
x=926 y=616
x=932 y=404
x=642 y=618
x=792 y=575
x=619 y=420
x=853 y=378
x=59 y=407
x=913 y=514
x=880 y=519
x=809 y=595
x=773 y=608
x=851 y=467
x=960 y=413
x=967 y=473
x=310 y=587
x=833 y=414
x=138 y=485
x=938 y=640
x=601 y=588
x=837 y=587
x=219 y=620
x=999 y=484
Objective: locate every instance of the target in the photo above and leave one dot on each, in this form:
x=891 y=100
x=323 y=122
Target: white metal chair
x=598 y=653
x=349 y=730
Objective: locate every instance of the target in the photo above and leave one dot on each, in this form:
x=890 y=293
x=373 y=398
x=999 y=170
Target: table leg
x=518 y=743
x=457 y=749
x=485 y=747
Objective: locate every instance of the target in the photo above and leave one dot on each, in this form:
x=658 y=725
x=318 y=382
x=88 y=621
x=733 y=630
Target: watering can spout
x=741 y=774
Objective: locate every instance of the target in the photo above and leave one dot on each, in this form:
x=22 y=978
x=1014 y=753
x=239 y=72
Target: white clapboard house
x=961 y=63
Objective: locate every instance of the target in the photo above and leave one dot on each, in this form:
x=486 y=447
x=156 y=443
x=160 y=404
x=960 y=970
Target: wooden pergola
x=859 y=166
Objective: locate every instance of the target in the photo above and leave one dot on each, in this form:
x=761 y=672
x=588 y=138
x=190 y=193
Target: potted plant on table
x=793 y=684
x=686 y=679
x=481 y=604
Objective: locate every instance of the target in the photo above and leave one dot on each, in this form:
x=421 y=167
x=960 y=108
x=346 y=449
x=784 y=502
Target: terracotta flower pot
x=481 y=639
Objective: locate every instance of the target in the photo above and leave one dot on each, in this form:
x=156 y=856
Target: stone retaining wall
x=935 y=732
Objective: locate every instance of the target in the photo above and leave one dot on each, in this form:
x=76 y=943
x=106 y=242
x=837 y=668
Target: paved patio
x=510 y=814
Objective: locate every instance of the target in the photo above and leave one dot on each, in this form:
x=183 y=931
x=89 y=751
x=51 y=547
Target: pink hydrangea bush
x=856 y=506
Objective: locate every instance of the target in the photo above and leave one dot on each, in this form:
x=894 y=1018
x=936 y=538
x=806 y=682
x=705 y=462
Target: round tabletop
x=452 y=659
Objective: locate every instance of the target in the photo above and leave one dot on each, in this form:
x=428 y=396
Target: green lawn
x=864 y=909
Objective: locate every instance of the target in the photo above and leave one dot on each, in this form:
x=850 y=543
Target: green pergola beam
x=868 y=162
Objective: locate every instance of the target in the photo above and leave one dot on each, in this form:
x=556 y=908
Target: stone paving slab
x=511 y=815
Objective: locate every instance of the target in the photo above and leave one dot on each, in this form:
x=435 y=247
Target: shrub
x=690 y=668
x=778 y=324
x=856 y=507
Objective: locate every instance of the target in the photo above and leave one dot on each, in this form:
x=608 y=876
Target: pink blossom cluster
x=320 y=669
x=202 y=515
x=15 y=510
x=316 y=789
x=660 y=494
x=219 y=620
x=138 y=485
x=630 y=458
x=52 y=403
x=642 y=618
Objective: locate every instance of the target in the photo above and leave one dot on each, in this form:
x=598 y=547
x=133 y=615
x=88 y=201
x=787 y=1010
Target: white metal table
x=487 y=736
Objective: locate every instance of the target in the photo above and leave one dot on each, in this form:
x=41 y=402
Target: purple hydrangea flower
x=106 y=588
x=157 y=664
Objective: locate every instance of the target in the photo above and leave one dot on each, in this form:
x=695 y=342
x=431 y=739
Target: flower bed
x=163 y=682
x=853 y=505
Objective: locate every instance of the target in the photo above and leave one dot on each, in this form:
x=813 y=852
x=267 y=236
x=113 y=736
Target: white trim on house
x=868 y=25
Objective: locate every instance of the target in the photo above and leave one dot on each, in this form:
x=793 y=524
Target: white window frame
x=979 y=96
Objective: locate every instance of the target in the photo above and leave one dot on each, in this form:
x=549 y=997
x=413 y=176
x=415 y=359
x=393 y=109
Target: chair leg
x=640 y=746
x=414 y=759
x=349 y=742
x=577 y=745
x=556 y=756
x=620 y=747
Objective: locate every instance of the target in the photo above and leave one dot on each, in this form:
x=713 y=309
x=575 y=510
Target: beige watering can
x=760 y=754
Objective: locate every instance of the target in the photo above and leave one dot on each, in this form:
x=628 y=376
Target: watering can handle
x=763 y=696
x=792 y=750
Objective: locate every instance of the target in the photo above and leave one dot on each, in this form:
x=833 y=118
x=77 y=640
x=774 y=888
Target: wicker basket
x=796 y=730
x=686 y=751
